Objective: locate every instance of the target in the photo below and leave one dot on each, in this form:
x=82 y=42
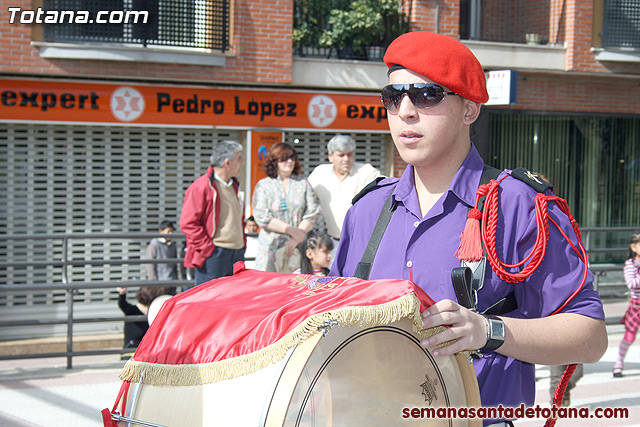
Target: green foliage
x=308 y=21
x=306 y=33
x=356 y=26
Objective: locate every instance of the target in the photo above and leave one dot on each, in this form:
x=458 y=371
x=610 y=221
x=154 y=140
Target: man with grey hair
x=336 y=183
x=212 y=216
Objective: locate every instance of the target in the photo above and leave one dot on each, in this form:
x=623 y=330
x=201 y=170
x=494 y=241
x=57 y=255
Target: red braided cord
x=489 y=231
x=559 y=394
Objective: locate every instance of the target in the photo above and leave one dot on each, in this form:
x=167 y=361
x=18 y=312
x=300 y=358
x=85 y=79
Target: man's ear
x=471 y=112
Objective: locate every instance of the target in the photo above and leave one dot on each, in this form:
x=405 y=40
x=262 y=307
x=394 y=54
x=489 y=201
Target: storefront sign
x=70 y=102
x=502 y=87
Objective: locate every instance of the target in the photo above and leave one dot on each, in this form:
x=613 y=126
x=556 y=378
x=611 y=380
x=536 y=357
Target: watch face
x=497 y=329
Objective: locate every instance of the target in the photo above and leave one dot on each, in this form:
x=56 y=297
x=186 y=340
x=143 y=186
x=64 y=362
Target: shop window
x=592 y=162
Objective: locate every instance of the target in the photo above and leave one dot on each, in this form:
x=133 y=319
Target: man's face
x=342 y=161
x=432 y=136
x=235 y=164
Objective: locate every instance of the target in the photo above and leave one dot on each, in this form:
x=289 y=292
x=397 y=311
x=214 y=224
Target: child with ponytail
x=316 y=254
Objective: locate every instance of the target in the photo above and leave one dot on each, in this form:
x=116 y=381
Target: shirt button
x=416 y=224
x=409 y=264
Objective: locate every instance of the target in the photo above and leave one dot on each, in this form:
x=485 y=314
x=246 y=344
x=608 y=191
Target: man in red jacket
x=212 y=216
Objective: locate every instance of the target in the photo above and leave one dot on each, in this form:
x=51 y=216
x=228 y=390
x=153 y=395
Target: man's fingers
x=455 y=337
x=443 y=306
x=442 y=319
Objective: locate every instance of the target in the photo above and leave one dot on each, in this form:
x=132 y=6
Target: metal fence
x=65 y=263
x=597 y=241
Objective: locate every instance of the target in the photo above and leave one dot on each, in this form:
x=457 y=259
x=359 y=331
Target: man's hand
x=121 y=291
x=467 y=329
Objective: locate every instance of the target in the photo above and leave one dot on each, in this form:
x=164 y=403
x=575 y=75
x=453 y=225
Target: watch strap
x=494 y=340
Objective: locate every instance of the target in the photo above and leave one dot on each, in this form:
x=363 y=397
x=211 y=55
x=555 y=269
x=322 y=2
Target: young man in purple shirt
x=436 y=88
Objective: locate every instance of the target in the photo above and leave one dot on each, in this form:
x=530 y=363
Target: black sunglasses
x=291 y=157
x=422 y=95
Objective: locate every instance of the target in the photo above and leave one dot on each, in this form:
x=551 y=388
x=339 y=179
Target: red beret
x=442 y=59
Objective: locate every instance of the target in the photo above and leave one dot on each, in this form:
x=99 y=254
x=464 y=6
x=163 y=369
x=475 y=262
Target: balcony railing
x=200 y=24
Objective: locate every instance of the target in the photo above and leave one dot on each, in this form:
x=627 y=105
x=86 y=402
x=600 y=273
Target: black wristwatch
x=495 y=333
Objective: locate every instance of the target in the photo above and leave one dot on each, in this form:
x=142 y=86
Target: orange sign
x=261 y=143
x=61 y=101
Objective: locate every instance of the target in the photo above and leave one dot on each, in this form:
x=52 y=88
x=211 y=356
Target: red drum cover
x=236 y=325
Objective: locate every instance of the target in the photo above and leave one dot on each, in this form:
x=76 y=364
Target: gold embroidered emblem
x=317 y=283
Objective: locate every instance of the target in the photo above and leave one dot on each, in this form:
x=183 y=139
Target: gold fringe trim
x=204 y=373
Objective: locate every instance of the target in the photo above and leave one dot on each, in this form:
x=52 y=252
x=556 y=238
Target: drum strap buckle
x=328 y=324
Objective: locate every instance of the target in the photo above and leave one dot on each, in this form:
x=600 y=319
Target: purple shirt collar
x=463 y=186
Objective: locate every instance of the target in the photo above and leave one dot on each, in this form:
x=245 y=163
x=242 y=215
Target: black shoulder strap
x=503 y=305
x=488 y=173
x=364 y=266
x=531 y=179
x=370 y=186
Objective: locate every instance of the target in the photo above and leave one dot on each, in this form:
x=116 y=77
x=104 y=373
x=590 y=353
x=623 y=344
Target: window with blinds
x=179 y=23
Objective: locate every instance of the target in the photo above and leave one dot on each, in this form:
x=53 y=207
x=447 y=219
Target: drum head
x=373 y=377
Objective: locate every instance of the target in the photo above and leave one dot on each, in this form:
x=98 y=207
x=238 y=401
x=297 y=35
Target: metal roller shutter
x=89 y=179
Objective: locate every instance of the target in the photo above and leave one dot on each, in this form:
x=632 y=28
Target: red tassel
x=470 y=241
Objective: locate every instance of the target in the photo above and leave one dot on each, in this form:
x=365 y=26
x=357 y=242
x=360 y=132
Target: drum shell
x=350 y=376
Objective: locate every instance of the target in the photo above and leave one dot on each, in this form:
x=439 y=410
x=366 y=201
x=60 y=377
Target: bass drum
x=340 y=376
